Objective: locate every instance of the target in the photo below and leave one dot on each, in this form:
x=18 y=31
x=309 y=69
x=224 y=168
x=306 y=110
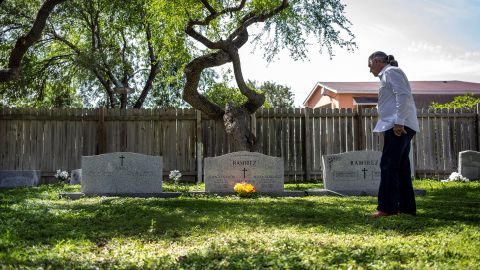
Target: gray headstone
x=10 y=179
x=266 y=173
x=121 y=173
x=469 y=164
x=76 y=177
x=352 y=173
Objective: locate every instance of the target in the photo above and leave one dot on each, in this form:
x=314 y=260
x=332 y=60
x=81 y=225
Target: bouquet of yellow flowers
x=245 y=190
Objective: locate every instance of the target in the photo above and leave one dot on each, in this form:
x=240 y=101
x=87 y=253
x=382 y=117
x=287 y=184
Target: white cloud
x=416 y=47
x=427 y=61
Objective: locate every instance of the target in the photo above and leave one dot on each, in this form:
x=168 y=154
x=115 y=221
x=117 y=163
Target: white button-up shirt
x=395 y=101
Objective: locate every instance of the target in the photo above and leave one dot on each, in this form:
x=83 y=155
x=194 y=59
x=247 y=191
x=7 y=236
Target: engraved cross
x=364 y=171
x=244 y=170
x=122 y=157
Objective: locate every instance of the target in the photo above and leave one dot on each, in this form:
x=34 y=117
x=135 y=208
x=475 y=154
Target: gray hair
x=384 y=58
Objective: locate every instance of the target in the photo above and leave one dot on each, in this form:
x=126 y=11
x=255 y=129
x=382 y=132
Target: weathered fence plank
x=56 y=139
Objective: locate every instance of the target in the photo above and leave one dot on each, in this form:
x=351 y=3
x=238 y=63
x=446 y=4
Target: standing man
x=397 y=119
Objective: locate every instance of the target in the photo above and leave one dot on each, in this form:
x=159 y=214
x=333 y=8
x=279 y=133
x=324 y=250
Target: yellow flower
x=238 y=187
x=244 y=189
x=249 y=188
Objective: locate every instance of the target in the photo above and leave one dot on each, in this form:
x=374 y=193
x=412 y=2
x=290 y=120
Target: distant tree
x=465 y=101
x=222 y=94
x=279 y=96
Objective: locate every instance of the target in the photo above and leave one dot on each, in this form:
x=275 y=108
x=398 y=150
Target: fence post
x=101 y=135
x=199 y=148
x=308 y=145
x=123 y=128
x=359 y=134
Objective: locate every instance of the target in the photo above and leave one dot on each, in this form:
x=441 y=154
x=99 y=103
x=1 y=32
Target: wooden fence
x=48 y=140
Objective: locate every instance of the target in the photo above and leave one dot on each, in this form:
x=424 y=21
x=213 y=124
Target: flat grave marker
x=19 y=178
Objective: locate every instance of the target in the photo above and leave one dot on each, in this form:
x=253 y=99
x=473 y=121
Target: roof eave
x=310 y=95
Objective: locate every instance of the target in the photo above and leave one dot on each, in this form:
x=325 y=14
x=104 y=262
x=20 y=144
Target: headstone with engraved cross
x=121 y=173
x=264 y=172
x=352 y=173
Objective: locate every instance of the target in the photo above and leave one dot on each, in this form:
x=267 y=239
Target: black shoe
x=378 y=214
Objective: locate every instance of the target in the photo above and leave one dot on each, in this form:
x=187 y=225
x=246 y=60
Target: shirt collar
x=383 y=70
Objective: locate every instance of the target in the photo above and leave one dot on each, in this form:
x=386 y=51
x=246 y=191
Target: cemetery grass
x=38 y=230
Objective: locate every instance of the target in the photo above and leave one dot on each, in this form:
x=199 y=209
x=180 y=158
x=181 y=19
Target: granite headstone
x=469 y=164
x=266 y=173
x=12 y=178
x=76 y=177
x=121 y=173
x=352 y=173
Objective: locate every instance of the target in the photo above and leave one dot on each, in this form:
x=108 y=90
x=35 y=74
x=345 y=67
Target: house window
x=365 y=102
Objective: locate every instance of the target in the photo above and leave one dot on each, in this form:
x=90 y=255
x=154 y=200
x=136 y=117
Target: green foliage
x=221 y=94
x=31 y=90
x=276 y=95
x=120 y=45
x=323 y=20
x=89 y=40
x=39 y=84
x=279 y=96
x=38 y=230
x=465 y=101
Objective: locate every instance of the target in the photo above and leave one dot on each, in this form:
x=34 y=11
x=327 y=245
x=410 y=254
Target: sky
x=430 y=39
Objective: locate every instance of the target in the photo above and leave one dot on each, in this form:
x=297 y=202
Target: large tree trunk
x=233 y=117
x=235 y=122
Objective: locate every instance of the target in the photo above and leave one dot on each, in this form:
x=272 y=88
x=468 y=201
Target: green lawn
x=38 y=230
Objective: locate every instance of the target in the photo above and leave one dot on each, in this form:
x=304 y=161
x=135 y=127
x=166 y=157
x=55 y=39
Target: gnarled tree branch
x=252 y=18
x=193 y=71
x=25 y=42
x=213 y=15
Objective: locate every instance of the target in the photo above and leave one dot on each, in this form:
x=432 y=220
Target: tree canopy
x=114 y=52
x=223 y=27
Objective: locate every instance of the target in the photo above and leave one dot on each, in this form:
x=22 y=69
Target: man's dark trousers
x=396 y=190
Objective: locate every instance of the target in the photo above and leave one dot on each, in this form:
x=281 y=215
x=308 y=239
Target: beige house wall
x=336 y=101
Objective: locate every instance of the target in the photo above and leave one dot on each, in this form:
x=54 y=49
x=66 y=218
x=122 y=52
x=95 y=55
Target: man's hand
x=399 y=130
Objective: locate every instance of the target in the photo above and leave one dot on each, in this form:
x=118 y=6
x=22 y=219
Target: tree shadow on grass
x=456 y=202
x=35 y=218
